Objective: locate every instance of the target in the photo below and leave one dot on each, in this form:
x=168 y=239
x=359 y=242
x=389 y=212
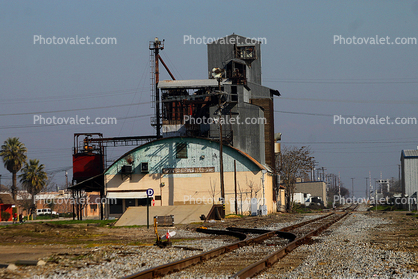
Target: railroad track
x=248 y=257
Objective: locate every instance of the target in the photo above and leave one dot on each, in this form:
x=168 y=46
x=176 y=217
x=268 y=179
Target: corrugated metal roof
x=410 y=153
x=259 y=165
x=6 y=199
x=189 y=84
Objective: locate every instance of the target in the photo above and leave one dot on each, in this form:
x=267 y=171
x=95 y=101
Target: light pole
x=217 y=74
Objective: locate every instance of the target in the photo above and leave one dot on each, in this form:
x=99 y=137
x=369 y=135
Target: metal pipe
x=165 y=66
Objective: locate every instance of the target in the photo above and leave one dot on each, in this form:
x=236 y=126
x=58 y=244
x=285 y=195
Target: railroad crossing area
x=353 y=243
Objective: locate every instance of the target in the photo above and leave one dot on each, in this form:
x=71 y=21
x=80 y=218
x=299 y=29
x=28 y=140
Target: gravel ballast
x=346 y=250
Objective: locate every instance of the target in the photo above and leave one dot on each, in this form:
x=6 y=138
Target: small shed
x=6 y=205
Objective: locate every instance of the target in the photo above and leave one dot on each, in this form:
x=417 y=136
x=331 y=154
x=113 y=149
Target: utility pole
x=375 y=193
x=235 y=187
x=399 y=174
x=367 y=196
x=221 y=164
x=339 y=187
x=370 y=184
x=352 y=189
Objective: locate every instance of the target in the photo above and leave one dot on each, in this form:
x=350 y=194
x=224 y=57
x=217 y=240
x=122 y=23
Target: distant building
x=317 y=189
x=63 y=202
x=409 y=169
x=302 y=198
x=6 y=205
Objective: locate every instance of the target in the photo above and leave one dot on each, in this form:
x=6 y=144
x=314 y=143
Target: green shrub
x=67 y=215
x=5 y=216
x=46 y=217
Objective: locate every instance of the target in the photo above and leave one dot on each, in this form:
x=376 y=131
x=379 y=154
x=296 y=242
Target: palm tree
x=14 y=155
x=33 y=178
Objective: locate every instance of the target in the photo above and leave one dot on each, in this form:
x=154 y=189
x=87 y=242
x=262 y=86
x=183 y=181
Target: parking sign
x=150 y=192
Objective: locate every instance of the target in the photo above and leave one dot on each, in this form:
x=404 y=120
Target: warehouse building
x=409 y=169
x=182 y=162
x=185 y=171
x=316 y=189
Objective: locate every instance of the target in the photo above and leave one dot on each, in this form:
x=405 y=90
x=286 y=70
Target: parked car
x=45 y=211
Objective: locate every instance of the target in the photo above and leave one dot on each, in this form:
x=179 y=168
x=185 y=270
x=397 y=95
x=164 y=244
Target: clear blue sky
x=317 y=78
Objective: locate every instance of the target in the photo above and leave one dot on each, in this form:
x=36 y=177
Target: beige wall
x=281 y=201
x=316 y=189
x=195 y=188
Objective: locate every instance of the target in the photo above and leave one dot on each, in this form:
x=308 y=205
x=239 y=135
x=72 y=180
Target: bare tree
x=212 y=190
x=24 y=200
x=240 y=195
x=293 y=162
x=50 y=185
x=253 y=188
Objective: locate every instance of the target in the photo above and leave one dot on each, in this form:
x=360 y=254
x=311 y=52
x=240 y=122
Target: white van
x=45 y=211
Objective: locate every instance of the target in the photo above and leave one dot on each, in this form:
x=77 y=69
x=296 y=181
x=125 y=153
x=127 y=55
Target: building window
x=181 y=150
x=245 y=52
x=116 y=208
x=234 y=94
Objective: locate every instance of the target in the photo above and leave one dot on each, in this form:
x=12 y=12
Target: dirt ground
x=402 y=233
x=32 y=241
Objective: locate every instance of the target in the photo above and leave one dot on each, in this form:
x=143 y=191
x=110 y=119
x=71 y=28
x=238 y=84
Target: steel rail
x=236 y=234
x=176 y=266
x=269 y=260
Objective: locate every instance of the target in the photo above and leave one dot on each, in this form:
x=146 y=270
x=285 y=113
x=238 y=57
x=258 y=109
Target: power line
x=54 y=125
x=72 y=97
x=346 y=81
x=71 y=110
x=385 y=102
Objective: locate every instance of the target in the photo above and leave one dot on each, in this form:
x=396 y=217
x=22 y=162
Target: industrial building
x=316 y=189
x=185 y=171
x=203 y=128
x=409 y=170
